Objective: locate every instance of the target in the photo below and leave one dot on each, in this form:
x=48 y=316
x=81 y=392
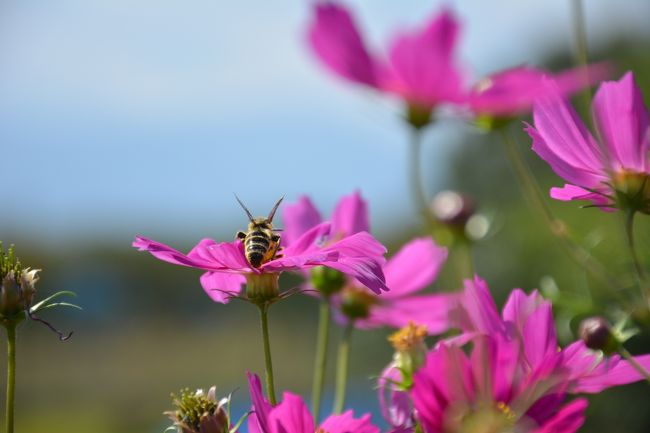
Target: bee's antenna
x=250 y=217
x=272 y=213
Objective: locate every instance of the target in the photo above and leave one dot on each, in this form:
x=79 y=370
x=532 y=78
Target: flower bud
x=327 y=281
x=262 y=288
x=597 y=335
x=197 y=412
x=452 y=208
x=356 y=303
x=410 y=349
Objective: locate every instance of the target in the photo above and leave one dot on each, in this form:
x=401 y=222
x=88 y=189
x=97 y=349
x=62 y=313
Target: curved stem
x=533 y=193
x=640 y=272
x=342 y=368
x=270 y=386
x=633 y=362
x=320 y=361
x=11 y=378
x=415 y=176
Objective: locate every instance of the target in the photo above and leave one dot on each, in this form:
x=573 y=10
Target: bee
x=261 y=242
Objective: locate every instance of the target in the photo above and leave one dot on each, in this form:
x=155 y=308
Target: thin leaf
x=38 y=305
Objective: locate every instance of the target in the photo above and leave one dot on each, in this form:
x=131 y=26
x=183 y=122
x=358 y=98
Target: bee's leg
x=277 y=254
x=240 y=235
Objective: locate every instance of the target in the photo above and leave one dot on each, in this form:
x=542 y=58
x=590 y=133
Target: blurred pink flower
x=511 y=92
x=420 y=66
x=612 y=174
x=358 y=255
x=411 y=270
x=291 y=415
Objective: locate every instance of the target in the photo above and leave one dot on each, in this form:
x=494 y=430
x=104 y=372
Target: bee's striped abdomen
x=257 y=245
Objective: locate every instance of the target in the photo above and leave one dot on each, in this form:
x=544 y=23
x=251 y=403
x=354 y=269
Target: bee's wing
x=275 y=208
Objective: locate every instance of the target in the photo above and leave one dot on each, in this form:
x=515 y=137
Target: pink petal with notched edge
x=220 y=286
x=422 y=67
x=258 y=421
x=298 y=219
x=538 y=335
x=366 y=271
x=334 y=37
x=520 y=306
x=414 y=267
x=347 y=423
x=622 y=120
x=478 y=312
x=291 y=416
x=433 y=311
x=309 y=241
x=563 y=141
x=571 y=192
x=350 y=216
x=230 y=255
x=170 y=255
x=568 y=419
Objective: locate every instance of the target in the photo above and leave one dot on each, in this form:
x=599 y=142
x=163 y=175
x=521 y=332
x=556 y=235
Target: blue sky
x=122 y=117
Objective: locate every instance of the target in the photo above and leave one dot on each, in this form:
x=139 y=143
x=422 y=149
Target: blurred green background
x=147 y=328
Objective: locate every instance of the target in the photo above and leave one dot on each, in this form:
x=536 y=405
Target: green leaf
x=56 y=304
x=38 y=305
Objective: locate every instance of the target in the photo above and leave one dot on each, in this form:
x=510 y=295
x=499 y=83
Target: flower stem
x=581 y=51
x=270 y=386
x=342 y=368
x=321 y=356
x=11 y=377
x=640 y=272
x=415 y=177
x=533 y=193
x=633 y=362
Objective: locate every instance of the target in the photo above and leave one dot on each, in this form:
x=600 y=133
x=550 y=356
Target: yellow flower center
x=409 y=337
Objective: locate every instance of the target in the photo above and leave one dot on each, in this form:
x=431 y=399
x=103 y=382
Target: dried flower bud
x=327 y=281
x=356 y=303
x=197 y=412
x=17 y=290
x=452 y=208
x=597 y=335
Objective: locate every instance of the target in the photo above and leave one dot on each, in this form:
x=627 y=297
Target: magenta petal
x=507 y=93
x=291 y=416
x=311 y=240
x=335 y=39
x=350 y=216
x=395 y=404
x=220 y=286
x=347 y=423
x=259 y=420
x=568 y=419
x=479 y=312
x=562 y=140
x=414 y=267
x=538 y=335
x=298 y=219
x=520 y=306
x=170 y=255
x=422 y=63
x=622 y=120
x=433 y=311
x=571 y=192
x=366 y=271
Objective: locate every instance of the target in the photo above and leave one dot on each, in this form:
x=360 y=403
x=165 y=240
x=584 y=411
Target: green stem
x=270 y=386
x=557 y=227
x=11 y=377
x=465 y=262
x=642 y=276
x=415 y=177
x=320 y=361
x=633 y=362
x=581 y=50
x=342 y=368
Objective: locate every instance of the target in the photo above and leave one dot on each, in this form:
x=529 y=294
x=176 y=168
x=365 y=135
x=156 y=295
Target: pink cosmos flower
x=359 y=256
x=420 y=65
x=611 y=174
x=412 y=269
x=528 y=321
x=292 y=416
x=511 y=93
